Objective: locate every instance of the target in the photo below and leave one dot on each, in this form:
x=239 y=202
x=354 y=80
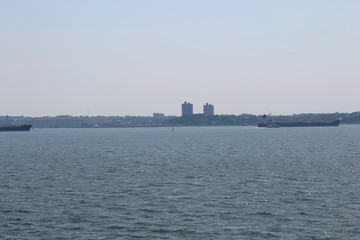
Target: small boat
x=26 y=127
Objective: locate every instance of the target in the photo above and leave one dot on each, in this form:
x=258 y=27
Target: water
x=193 y=183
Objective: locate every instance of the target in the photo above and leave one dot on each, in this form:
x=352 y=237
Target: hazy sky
x=137 y=57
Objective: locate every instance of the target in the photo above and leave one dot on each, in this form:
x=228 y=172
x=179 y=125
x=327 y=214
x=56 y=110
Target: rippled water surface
x=193 y=183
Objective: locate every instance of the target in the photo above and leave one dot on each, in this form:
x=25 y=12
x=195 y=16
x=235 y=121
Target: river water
x=191 y=183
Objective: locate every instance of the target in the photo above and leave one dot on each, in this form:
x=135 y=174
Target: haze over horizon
x=139 y=57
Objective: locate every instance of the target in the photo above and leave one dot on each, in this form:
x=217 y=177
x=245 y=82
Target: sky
x=139 y=57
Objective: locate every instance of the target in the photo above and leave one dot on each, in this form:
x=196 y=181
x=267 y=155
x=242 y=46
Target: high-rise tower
x=208 y=109
x=186 y=109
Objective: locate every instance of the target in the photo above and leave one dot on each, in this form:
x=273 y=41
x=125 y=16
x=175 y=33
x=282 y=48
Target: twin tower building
x=187 y=109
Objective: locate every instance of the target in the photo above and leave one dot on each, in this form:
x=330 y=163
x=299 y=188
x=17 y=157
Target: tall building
x=186 y=109
x=208 y=110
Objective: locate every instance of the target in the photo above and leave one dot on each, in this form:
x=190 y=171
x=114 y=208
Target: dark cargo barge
x=15 y=128
x=334 y=123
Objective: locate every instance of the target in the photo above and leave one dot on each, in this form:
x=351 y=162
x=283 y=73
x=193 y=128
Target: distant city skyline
x=118 y=58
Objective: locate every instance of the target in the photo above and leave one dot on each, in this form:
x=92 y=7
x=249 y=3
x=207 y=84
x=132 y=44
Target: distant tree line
x=216 y=120
x=66 y=121
x=248 y=119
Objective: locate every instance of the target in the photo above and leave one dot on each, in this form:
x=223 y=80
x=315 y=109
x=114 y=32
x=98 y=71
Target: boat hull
x=16 y=128
x=301 y=124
